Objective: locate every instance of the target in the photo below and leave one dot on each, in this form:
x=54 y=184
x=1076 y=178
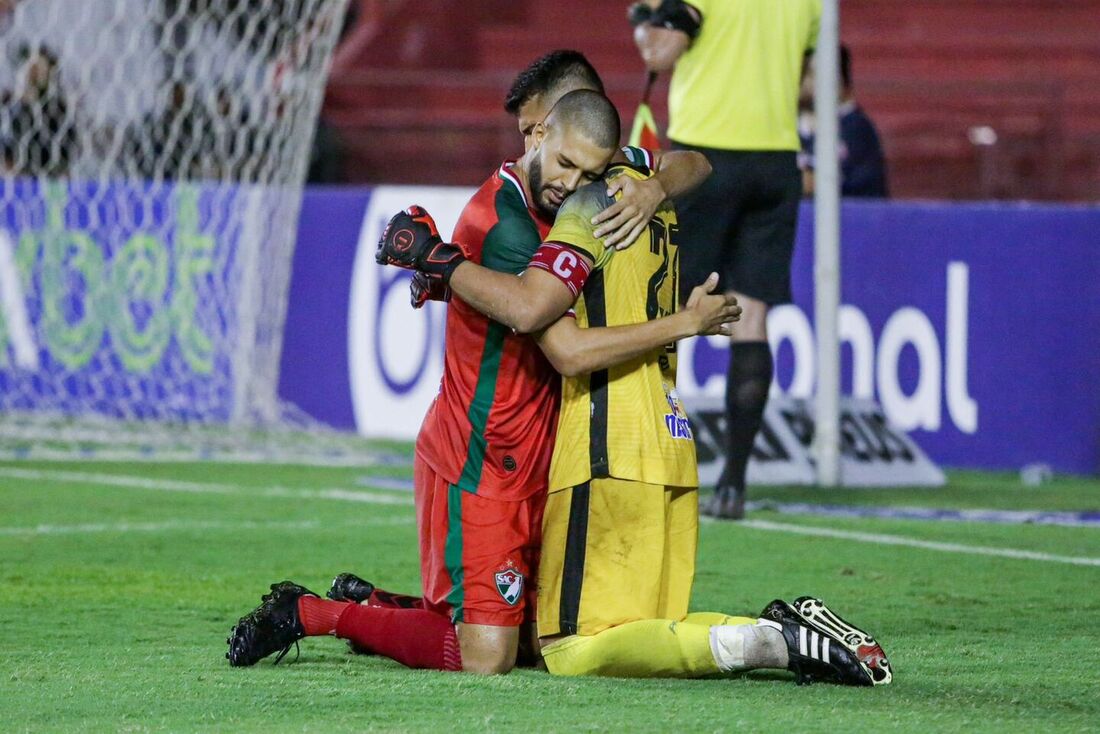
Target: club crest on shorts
x=509 y=584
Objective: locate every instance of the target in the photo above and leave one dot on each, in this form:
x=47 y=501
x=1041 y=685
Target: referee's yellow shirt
x=736 y=87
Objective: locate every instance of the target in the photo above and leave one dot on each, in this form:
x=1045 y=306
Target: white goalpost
x=153 y=157
x=827 y=248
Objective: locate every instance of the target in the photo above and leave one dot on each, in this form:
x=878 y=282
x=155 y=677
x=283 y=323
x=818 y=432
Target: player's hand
x=620 y=224
x=411 y=241
x=714 y=313
x=423 y=289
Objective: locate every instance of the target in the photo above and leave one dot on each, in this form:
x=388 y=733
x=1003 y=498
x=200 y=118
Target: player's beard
x=534 y=180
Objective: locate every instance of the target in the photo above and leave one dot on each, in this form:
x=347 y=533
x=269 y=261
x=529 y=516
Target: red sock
x=383 y=598
x=319 y=616
x=416 y=638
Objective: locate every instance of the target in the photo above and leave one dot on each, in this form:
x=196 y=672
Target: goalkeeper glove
x=423 y=289
x=411 y=241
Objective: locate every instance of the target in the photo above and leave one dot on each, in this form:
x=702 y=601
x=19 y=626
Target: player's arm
x=680 y=171
x=664 y=34
x=527 y=304
x=675 y=172
x=531 y=301
x=574 y=351
x=551 y=284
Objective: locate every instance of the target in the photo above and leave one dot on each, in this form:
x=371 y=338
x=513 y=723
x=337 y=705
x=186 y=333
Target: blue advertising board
x=116 y=298
x=976 y=326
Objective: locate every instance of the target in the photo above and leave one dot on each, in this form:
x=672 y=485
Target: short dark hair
x=845 y=65
x=592 y=113
x=547 y=72
x=26 y=51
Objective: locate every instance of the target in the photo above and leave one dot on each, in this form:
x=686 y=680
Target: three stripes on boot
x=808 y=645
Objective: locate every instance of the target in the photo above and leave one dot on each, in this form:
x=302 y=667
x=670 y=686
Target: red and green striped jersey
x=639 y=156
x=491 y=428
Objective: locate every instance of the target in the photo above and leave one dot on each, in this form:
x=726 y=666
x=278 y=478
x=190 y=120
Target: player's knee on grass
x=567 y=655
x=529 y=652
x=562 y=664
x=488 y=649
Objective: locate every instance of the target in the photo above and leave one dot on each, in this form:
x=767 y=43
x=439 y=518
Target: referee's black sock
x=750 y=376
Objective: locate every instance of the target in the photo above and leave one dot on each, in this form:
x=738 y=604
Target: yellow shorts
x=615 y=551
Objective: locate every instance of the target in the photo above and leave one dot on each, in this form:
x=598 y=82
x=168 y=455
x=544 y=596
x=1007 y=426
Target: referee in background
x=737 y=66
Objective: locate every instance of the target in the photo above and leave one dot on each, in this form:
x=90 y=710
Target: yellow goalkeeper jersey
x=625 y=422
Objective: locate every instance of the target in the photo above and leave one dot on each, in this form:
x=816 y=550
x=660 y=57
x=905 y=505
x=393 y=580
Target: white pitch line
x=176 y=485
x=173 y=485
x=186 y=525
x=901 y=540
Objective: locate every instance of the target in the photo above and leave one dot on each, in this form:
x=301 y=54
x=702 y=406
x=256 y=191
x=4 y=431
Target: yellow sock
x=711 y=619
x=651 y=648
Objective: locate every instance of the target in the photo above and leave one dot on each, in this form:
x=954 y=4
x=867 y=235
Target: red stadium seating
x=417 y=89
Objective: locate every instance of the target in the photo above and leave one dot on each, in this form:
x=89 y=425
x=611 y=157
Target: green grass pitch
x=119 y=583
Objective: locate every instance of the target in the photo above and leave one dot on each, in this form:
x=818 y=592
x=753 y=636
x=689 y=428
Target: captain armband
x=563 y=263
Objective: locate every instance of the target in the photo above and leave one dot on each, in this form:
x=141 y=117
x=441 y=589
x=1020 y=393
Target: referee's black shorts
x=740 y=223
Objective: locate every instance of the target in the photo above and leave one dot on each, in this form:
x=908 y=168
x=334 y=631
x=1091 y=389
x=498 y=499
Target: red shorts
x=478 y=557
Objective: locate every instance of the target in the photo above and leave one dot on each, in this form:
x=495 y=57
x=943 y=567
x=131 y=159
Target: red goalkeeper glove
x=423 y=289
x=411 y=241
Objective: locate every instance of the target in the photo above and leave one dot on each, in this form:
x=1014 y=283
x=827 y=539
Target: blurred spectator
x=230 y=137
x=172 y=142
x=862 y=164
x=38 y=130
x=7 y=11
x=9 y=149
x=326 y=155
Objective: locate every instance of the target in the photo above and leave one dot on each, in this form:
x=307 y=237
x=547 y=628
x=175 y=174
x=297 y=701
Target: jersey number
x=660 y=243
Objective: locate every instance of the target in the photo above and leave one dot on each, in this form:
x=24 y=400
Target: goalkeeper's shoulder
x=589 y=200
x=573 y=225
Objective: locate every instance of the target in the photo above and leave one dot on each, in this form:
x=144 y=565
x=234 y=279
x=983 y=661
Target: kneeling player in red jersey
x=533 y=93
x=483 y=452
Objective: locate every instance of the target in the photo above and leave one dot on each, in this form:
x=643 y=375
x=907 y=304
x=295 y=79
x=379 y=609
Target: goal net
x=153 y=156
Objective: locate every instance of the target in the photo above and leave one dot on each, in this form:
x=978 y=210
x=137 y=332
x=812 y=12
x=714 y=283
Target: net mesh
x=153 y=154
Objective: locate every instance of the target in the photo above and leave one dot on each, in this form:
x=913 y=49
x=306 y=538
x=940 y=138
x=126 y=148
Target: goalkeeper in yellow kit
x=621 y=522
